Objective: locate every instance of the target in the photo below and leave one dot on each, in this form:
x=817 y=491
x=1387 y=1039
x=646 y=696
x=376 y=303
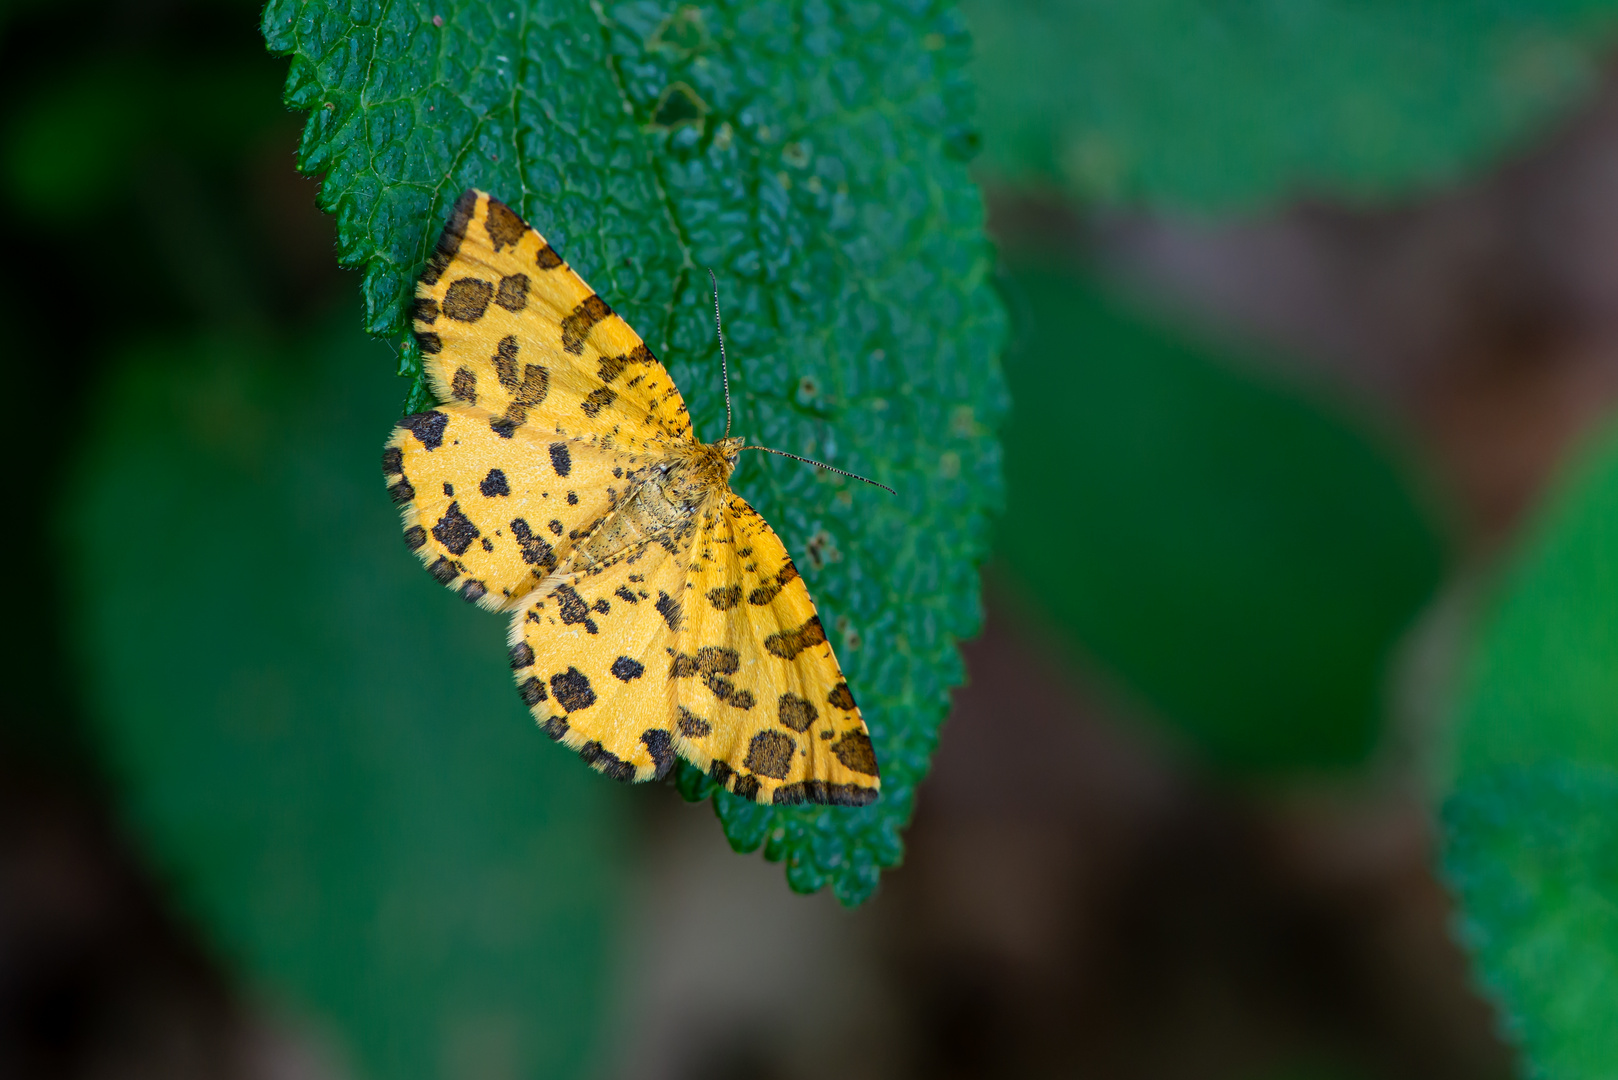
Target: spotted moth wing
x=505 y=325
x=591 y=652
x=489 y=515
x=760 y=702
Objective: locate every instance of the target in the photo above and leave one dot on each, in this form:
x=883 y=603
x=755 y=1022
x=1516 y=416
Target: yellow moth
x=653 y=612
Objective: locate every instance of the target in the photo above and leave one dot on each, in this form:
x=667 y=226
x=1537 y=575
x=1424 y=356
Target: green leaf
x=1532 y=853
x=809 y=153
x=1530 y=840
x=325 y=758
x=1243 y=558
x=1220 y=106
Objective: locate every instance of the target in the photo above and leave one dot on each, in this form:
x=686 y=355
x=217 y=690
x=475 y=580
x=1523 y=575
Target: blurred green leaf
x=1216 y=106
x=809 y=164
x=70 y=148
x=81 y=139
x=326 y=758
x=1531 y=813
x=1241 y=557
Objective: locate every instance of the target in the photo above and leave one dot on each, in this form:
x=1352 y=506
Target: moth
x=654 y=614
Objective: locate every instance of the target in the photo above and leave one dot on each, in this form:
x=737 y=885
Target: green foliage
x=1534 y=856
x=325 y=758
x=1205 y=105
x=810 y=154
x=1532 y=789
x=77 y=138
x=1238 y=555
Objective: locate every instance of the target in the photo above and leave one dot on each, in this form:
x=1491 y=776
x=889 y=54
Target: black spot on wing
x=536 y=384
x=600 y=758
x=467 y=299
x=532 y=691
x=693 y=726
x=841 y=698
x=795 y=712
x=443 y=570
x=427 y=427
x=425 y=309
x=428 y=342
x=770 y=754
x=455 y=530
x=464 y=386
x=771 y=589
x=661 y=747
x=392 y=461
x=522 y=655
x=414 y=537
x=855 y=752
x=818 y=791
x=561 y=460
x=494 y=484
x=787 y=644
x=504 y=226
x=572 y=690
x=573 y=608
x=627 y=668
x=505 y=361
x=473 y=591
x=669 y=608
x=512 y=292
x=715 y=659
x=623 y=593
x=597 y=400
x=535 y=550
x=401 y=492
x=548 y=258
x=576 y=326
x=725 y=597
x=449 y=241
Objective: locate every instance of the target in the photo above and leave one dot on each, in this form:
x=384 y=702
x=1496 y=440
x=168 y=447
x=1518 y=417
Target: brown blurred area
x=1077 y=898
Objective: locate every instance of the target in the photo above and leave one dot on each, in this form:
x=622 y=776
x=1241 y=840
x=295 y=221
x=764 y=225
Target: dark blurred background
x=1178 y=824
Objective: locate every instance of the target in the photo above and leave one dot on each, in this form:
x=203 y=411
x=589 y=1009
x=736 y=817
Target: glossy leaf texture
x=812 y=154
x=1215 y=106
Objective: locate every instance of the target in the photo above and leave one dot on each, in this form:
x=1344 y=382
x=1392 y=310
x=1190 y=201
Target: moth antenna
x=823 y=465
x=719 y=332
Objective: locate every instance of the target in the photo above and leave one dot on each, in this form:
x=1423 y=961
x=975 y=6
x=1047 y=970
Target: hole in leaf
x=679 y=105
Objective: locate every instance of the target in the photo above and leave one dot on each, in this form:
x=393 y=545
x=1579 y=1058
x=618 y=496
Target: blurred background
x=1310 y=309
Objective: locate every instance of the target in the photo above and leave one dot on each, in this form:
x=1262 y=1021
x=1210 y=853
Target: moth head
x=730 y=449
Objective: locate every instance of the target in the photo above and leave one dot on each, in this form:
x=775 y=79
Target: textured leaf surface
x=1240 y=556
x=809 y=154
x=1533 y=855
x=1217 y=106
x=1531 y=814
x=326 y=759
